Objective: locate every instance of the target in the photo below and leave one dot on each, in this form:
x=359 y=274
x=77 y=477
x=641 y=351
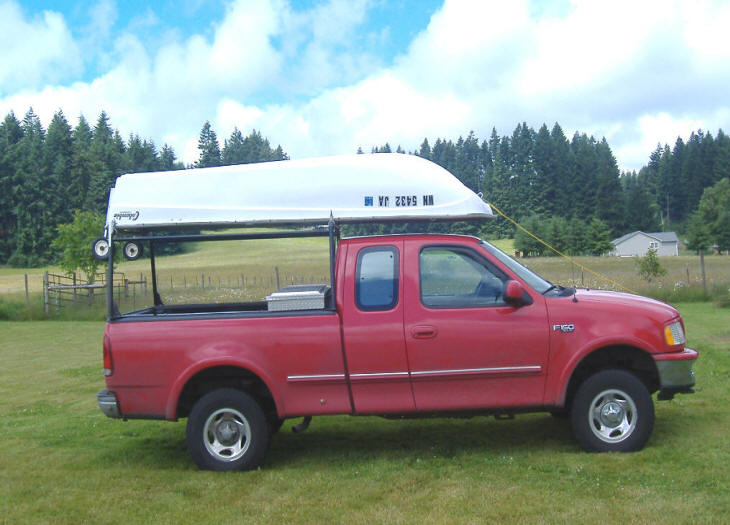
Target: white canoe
x=351 y=188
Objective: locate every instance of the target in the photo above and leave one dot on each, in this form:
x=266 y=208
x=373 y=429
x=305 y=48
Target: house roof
x=659 y=236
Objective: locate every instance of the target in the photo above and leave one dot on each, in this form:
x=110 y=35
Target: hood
x=662 y=311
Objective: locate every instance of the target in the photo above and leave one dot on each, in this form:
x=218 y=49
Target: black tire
x=274 y=424
x=612 y=412
x=227 y=430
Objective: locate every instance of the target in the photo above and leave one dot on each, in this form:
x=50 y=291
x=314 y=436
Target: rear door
x=467 y=348
x=372 y=320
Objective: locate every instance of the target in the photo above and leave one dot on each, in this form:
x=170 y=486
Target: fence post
x=202 y=281
x=27 y=295
x=702 y=264
x=45 y=292
x=276 y=274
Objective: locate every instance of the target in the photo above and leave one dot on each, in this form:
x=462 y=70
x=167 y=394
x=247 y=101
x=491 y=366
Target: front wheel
x=227 y=430
x=612 y=411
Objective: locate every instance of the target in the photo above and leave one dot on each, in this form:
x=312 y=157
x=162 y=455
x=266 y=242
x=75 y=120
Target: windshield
x=536 y=282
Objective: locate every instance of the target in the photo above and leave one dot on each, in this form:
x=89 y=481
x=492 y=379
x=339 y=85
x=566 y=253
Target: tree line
x=45 y=175
x=569 y=191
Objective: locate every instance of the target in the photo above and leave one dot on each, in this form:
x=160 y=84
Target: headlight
x=674 y=334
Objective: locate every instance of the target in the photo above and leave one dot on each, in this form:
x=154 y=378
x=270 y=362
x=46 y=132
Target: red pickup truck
x=421 y=324
x=409 y=325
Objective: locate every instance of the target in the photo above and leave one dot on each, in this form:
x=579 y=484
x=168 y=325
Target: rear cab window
x=376 y=280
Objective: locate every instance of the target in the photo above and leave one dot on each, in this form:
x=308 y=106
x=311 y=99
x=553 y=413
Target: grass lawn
x=62 y=461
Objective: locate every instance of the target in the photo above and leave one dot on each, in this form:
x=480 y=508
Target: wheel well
x=621 y=357
x=224 y=377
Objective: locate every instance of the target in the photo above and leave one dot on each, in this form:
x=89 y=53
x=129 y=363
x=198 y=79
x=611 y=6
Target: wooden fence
x=63 y=290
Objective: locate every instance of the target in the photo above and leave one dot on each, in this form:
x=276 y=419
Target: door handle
x=424 y=332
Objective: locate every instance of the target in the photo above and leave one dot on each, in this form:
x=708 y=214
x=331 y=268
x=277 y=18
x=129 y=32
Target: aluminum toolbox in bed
x=298 y=297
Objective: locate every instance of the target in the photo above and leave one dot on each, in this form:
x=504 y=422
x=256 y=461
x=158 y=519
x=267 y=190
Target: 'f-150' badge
x=565 y=328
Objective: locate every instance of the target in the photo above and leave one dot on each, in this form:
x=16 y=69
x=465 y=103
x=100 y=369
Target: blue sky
x=324 y=77
x=384 y=31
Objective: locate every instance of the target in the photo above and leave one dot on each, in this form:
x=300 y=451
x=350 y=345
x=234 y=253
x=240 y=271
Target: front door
x=467 y=348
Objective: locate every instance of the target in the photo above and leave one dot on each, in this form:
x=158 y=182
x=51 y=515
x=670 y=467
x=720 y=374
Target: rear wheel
x=227 y=430
x=612 y=411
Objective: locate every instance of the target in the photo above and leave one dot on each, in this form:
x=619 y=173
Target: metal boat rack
x=332 y=231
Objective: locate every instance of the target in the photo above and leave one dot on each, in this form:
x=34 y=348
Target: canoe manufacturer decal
x=131 y=215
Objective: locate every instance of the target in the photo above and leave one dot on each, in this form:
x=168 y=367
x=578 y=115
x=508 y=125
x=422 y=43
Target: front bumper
x=109 y=404
x=675 y=373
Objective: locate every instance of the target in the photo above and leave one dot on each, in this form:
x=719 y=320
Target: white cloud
x=637 y=73
x=34 y=51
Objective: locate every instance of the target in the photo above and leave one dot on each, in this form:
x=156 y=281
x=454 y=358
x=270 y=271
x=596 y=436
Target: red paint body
x=405 y=360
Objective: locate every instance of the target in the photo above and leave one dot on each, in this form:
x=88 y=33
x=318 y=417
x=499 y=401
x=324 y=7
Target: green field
x=62 y=461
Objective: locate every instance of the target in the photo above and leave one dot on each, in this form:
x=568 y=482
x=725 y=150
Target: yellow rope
x=599 y=275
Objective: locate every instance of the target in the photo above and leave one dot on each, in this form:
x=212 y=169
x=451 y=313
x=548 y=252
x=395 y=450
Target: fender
x=199 y=366
x=556 y=388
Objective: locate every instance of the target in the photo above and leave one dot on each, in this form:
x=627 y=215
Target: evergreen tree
x=425 y=150
x=546 y=188
x=253 y=148
x=583 y=184
x=81 y=165
x=57 y=156
x=141 y=156
x=234 y=151
x=106 y=163
x=599 y=237
x=609 y=196
x=558 y=234
x=721 y=166
x=527 y=244
x=10 y=135
x=642 y=213
x=32 y=212
x=168 y=160
x=578 y=240
x=563 y=164
x=210 y=153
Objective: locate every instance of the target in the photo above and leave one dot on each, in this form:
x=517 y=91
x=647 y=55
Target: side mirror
x=514 y=294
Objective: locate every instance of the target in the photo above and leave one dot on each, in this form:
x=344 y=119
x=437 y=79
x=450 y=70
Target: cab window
x=458 y=278
x=376 y=286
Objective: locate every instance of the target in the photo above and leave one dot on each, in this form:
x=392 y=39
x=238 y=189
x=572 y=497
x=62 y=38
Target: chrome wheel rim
x=227 y=434
x=612 y=416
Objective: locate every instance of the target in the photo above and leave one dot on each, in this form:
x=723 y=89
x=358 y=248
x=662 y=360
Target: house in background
x=638 y=243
